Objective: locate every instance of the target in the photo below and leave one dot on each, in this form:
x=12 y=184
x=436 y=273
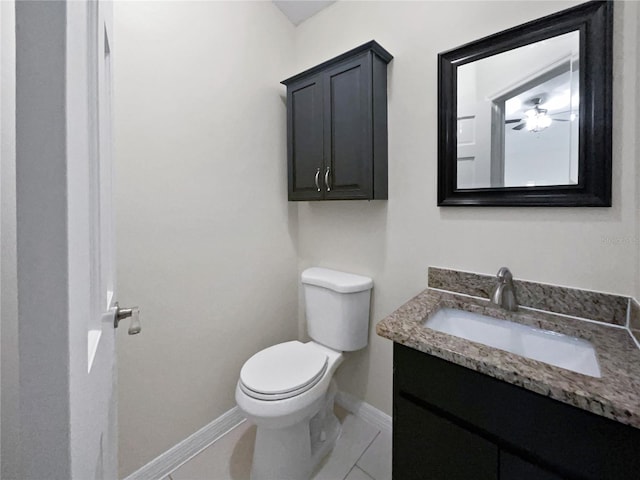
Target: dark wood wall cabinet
x=337 y=127
x=453 y=423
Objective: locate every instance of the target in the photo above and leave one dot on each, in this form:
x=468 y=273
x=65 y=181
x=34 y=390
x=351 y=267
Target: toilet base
x=292 y=453
x=333 y=429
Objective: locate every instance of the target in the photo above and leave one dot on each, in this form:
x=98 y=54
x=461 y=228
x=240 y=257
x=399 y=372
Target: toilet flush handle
x=134 y=312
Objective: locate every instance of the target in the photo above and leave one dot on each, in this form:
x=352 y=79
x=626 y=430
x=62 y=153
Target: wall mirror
x=524 y=116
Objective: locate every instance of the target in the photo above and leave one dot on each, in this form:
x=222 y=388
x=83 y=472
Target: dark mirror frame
x=594 y=21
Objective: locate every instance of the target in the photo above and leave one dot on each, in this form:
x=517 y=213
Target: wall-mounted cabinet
x=337 y=127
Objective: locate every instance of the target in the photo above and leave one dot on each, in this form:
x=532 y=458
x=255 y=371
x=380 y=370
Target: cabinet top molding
x=374 y=46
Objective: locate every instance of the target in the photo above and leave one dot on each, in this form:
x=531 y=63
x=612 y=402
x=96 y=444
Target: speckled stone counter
x=616 y=395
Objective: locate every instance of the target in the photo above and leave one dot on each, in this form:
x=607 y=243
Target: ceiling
x=298 y=11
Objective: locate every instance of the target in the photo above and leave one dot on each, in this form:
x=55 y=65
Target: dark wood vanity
x=452 y=423
x=466 y=410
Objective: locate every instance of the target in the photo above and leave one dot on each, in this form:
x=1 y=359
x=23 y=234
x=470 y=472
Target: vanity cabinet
x=337 y=127
x=453 y=423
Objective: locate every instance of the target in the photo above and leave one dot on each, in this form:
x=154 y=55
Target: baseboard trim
x=188 y=448
x=181 y=453
x=365 y=411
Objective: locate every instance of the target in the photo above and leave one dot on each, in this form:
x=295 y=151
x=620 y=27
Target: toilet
x=288 y=390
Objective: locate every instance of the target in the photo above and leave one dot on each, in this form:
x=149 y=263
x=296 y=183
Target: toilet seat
x=283 y=371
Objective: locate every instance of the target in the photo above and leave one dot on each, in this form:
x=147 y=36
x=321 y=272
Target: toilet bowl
x=288 y=390
x=286 y=447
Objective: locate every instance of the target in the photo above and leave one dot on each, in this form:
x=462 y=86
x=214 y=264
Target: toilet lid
x=284 y=368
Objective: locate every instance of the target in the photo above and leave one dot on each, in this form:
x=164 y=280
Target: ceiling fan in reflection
x=537 y=118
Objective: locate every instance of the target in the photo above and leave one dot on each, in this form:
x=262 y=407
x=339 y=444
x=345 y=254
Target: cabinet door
x=348 y=142
x=427 y=446
x=515 y=468
x=304 y=139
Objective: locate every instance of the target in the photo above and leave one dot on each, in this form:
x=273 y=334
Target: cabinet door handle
x=326 y=179
x=317 y=175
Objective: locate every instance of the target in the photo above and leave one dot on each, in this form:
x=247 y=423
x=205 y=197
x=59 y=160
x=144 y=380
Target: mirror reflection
x=517 y=117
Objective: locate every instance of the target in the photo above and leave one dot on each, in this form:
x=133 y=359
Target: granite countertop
x=616 y=395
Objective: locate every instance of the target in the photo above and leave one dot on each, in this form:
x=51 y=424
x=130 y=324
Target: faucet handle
x=504 y=275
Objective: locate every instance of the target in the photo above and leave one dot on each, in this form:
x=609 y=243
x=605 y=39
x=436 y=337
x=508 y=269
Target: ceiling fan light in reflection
x=537 y=120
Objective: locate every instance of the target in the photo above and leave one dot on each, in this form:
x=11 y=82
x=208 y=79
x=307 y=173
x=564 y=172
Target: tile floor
x=362 y=452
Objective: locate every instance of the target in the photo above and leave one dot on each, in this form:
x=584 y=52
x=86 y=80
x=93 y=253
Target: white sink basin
x=553 y=348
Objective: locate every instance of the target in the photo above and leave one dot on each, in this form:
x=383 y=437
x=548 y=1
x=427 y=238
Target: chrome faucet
x=504 y=295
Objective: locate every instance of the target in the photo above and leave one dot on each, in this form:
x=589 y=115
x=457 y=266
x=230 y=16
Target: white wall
x=9 y=374
x=42 y=237
x=206 y=237
x=395 y=241
x=211 y=250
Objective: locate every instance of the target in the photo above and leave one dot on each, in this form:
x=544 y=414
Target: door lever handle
x=134 y=312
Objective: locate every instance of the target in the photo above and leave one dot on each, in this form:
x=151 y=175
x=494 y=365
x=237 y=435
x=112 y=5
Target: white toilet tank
x=337 y=308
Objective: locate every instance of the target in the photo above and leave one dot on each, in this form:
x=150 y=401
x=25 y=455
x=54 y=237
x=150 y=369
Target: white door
x=66 y=274
x=466 y=151
x=92 y=386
